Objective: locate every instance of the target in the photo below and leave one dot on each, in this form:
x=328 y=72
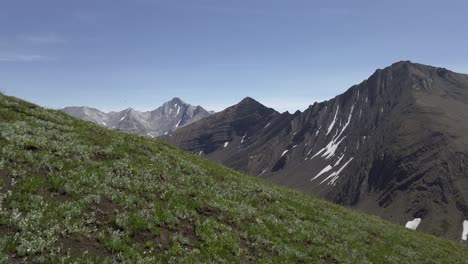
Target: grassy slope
x=70 y=187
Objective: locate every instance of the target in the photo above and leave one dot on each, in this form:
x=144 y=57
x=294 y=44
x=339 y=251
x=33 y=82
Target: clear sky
x=287 y=54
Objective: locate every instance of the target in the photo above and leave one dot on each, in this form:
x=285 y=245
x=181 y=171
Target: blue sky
x=286 y=54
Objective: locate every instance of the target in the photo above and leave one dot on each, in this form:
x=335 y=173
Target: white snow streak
x=123 y=118
x=329 y=150
x=150 y=135
x=263 y=171
x=326 y=169
x=104 y=123
x=267 y=125
x=242 y=141
x=226 y=143
x=166 y=133
x=465 y=230
x=335 y=175
x=334 y=120
x=178 y=109
x=413 y=224
x=349 y=120
x=339 y=160
x=178 y=123
x=284 y=152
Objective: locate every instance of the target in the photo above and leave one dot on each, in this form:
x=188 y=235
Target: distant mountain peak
x=173 y=113
x=248 y=100
x=176 y=100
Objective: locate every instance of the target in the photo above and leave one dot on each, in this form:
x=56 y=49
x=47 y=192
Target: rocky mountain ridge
x=394 y=145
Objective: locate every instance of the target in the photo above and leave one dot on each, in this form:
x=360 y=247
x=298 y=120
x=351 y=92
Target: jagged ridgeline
x=74 y=191
x=396 y=145
x=166 y=118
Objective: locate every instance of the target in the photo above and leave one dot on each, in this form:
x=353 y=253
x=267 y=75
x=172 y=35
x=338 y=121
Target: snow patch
x=294 y=146
x=284 y=152
x=329 y=150
x=267 y=125
x=465 y=230
x=104 y=123
x=178 y=123
x=349 y=120
x=166 y=133
x=339 y=160
x=242 y=141
x=334 y=120
x=413 y=224
x=326 y=169
x=150 y=135
x=178 y=109
x=200 y=153
x=226 y=143
x=335 y=175
x=123 y=118
x=263 y=171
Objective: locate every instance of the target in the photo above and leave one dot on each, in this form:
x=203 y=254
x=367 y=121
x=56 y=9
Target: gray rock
x=170 y=116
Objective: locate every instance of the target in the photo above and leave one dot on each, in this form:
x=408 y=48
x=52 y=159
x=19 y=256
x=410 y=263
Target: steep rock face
x=222 y=134
x=395 y=145
x=168 y=117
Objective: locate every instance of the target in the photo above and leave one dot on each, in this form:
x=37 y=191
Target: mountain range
x=168 y=117
x=395 y=145
x=75 y=192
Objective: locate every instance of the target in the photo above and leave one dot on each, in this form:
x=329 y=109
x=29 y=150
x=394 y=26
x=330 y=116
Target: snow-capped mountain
x=396 y=145
x=168 y=117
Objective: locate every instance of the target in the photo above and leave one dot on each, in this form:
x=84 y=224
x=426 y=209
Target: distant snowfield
x=226 y=143
x=413 y=224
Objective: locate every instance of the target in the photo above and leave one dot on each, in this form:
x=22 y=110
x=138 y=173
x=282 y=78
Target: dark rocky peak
x=249 y=106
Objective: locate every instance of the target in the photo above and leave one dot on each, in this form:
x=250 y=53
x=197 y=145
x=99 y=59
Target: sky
x=288 y=54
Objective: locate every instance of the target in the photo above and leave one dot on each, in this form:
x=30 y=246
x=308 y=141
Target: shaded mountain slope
x=72 y=191
x=394 y=145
